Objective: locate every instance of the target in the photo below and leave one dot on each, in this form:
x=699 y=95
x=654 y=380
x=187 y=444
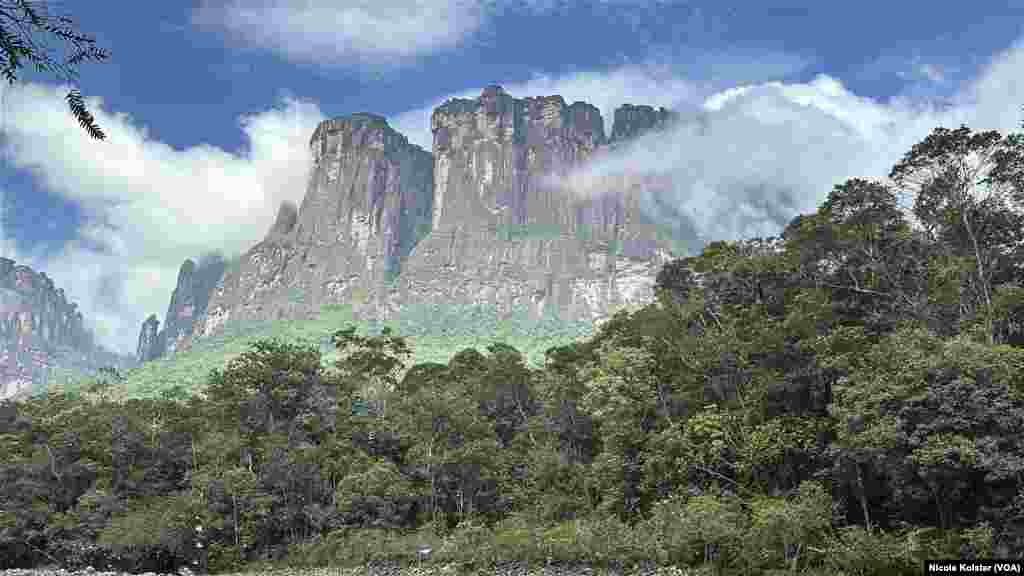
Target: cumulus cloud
x=993 y=100
x=147 y=205
x=345 y=32
x=372 y=32
x=754 y=156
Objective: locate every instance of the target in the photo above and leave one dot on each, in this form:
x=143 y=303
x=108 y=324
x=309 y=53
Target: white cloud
x=371 y=32
x=149 y=206
x=993 y=101
x=335 y=32
x=756 y=155
x=748 y=157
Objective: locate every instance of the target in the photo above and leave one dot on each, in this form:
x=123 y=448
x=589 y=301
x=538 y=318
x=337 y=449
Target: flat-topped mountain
x=503 y=232
x=482 y=220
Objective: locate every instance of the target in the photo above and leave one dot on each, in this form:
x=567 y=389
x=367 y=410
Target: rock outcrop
x=504 y=231
x=41 y=330
x=149 y=341
x=631 y=121
x=367 y=204
x=188 y=302
x=483 y=220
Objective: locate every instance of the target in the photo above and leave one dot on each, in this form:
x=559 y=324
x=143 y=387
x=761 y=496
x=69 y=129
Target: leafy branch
x=25 y=26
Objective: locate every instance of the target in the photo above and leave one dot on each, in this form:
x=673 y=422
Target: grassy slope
x=435 y=334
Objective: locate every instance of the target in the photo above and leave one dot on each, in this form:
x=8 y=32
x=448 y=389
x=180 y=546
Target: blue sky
x=209 y=107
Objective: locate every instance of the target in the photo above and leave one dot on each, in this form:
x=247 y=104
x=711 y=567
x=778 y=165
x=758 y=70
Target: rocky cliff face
x=149 y=340
x=39 y=331
x=385 y=224
x=367 y=203
x=188 y=301
x=503 y=231
x=634 y=121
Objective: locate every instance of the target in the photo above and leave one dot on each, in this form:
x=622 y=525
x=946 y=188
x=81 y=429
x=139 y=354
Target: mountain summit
x=483 y=220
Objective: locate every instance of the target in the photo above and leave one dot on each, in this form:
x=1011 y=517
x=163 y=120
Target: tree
x=623 y=393
x=792 y=522
x=860 y=250
x=719 y=521
x=25 y=27
x=373 y=364
x=934 y=423
x=451 y=445
x=967 y=186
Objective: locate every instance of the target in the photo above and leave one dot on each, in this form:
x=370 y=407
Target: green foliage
x=605 y=539
x=719 y=523
x=434 y=334
x=376 y=477
x=855 y=551
x=351 y=548
x=765 y=446
x=783 y=530
x=675 y=539
x=555 y=490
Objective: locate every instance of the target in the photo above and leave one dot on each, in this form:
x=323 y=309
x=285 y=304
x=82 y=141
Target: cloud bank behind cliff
x=749 y=158
x=146 y=205
x=744 y=160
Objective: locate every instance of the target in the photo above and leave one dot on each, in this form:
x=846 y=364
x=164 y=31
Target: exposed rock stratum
x=483 y=220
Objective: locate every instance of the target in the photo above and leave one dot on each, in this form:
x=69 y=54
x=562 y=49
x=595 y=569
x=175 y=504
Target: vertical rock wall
x=189 y=300
x=505 y=233
x=40 y=330
x=367 y=203
x=385 y=225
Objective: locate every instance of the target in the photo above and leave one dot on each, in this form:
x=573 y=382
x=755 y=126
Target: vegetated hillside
x=847 y=398
x=435 y=333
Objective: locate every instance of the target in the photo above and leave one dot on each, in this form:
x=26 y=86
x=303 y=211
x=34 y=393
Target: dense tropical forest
x=846 y=398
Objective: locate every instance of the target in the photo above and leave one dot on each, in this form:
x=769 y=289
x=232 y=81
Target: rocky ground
x=504 y=569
